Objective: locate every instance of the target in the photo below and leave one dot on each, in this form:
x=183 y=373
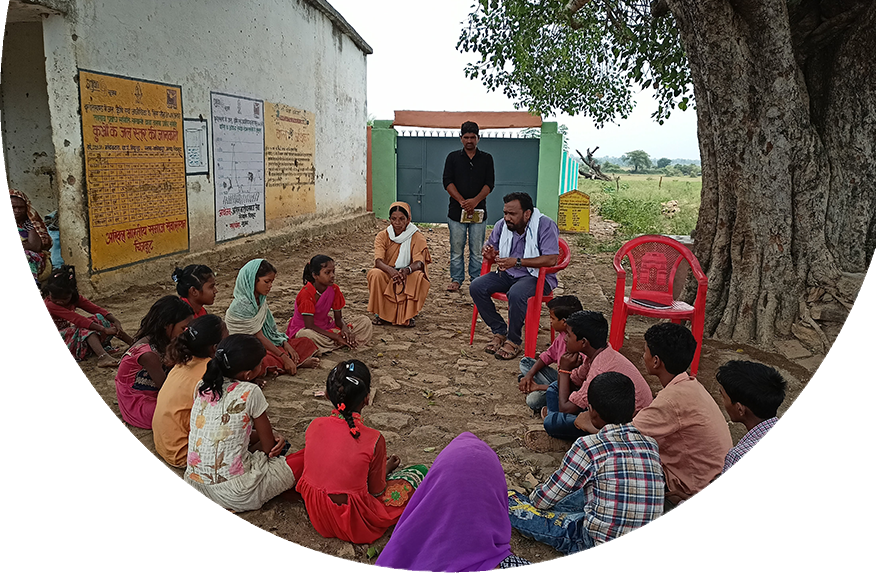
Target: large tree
x=637 y=159
x=785 y=94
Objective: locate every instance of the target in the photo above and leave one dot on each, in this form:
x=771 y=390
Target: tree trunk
x=786 y=109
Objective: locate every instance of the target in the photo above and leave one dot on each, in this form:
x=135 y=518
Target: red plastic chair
x=533 y=306
x=654 y=260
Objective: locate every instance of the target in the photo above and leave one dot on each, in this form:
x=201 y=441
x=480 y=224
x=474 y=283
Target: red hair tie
x=355 y=432
x=342 y=407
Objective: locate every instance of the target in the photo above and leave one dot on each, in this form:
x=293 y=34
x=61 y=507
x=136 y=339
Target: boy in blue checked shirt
x=609 y=483
x=769 y=511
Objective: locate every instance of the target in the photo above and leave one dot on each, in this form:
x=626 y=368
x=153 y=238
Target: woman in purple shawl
x=457 y=520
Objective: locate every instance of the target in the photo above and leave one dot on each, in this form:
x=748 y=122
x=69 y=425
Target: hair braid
x=347 y=386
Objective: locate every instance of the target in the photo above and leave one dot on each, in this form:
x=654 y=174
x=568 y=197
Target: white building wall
x=27 y=133
x=282 y=51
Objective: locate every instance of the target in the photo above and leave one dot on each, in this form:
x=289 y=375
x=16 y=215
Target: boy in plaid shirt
x=609 y=483
x=769 y=511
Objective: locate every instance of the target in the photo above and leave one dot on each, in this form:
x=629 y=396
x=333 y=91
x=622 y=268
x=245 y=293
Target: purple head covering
x=457 y=520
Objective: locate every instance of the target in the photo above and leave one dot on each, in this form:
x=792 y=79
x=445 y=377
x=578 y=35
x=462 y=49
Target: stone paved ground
x=430 y=384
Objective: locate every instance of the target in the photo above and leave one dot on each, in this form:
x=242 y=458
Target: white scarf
x=530 y=238
x=404 y=239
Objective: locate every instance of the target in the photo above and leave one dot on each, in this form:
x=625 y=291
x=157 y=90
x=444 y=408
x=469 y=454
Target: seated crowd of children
x=191 y=377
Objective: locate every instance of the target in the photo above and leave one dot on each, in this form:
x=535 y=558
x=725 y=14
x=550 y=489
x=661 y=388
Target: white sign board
x=195 y=135
x=238 y=165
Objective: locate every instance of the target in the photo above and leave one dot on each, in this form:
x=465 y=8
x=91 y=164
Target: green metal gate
x=420 y=170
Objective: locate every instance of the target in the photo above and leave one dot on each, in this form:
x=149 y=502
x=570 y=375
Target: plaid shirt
x=620 y=471
x=771 y=503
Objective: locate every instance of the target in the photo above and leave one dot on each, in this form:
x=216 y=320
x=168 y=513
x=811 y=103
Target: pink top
x=691 y=432
x=135 y=390
x=609 y=360
x=555 y=351
x=66 y=315
x=319 y=306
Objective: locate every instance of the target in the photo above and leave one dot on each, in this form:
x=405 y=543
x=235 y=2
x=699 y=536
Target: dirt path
x=431 y=385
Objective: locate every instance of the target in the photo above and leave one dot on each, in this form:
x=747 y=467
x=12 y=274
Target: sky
x=415 y=66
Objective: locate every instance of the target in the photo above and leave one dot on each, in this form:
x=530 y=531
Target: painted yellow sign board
x=135 y=174
x=290 y=177
x=574 y=212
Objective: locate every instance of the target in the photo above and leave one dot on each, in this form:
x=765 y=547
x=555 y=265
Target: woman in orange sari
x=398 y=283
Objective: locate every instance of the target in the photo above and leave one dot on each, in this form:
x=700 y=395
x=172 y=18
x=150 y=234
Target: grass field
x=635 y=203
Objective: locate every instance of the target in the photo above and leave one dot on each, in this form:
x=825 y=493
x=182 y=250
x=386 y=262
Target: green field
x=636 y=206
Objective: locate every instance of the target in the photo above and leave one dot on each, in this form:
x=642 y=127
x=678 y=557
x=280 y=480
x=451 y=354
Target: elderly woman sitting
x=35 y=237
x=398 y=283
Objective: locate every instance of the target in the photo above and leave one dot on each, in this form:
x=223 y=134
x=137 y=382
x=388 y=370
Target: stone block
x=831 y=312
x=792 y=349
x=389 y=420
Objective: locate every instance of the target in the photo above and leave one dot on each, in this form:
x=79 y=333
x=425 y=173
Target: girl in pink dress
x=143 y=368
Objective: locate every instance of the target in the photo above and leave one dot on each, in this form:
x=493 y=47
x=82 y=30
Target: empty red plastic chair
x=533 y=306
x=654 y=260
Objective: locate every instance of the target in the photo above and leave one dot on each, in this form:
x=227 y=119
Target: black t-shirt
x=469 y=176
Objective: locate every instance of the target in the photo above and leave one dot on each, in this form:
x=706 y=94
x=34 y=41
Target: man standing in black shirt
x=468 y=177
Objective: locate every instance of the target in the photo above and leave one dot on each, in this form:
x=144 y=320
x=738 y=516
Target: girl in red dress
x=196 y=285
x=345 y=483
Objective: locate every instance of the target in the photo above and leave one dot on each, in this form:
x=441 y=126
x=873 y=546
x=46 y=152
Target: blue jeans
x=559 y=424
x=476 y=234
x=562 y=527
x=536 y=400
x=518 y=290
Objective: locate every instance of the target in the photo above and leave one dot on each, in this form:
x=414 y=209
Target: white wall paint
x=277 y=50
x=27 y=133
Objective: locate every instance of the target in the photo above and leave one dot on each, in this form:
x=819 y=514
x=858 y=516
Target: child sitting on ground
x=587 y=356
x=227 y=407
x=196 y=285
x=189 y=352
x=249 y=314
x=143 y=368
x=536 y=375
x=318 y=314
x=769 y=512
x=81 y=334
x=608 y=484
x=347 y=484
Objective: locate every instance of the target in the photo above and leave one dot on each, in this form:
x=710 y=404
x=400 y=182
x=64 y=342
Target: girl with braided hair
x=189 y=353
x=81 y=334
x=351 y=490
x=196 y=286
x=227 y=407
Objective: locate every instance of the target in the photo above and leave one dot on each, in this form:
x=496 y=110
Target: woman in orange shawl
x=128 y=517
x=398 y=283
x=35 y=237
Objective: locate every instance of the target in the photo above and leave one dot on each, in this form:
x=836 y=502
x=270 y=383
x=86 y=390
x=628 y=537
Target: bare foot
x=544 y=412
x=107 y=361
x=312 y=362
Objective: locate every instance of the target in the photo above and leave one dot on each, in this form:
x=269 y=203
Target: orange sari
x=128 y=517
x=391 y=302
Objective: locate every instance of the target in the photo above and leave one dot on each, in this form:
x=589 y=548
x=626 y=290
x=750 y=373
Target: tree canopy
x=638 y=159
x=550 y=56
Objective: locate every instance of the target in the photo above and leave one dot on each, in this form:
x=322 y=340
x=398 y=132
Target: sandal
x=377 y=321
x=193 y=503
x=541 y=442
x=409 y=324
x=495 y=344
x=453 y=287
x=508 y=351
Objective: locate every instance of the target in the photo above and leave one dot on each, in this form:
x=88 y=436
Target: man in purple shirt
x=769 y=511
x=521 y=243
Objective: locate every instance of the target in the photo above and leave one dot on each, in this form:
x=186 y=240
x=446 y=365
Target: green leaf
x=429 y=449
x=372 y=553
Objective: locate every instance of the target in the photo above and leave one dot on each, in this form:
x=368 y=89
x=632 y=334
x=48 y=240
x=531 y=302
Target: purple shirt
x=771 y=503
x=548 y=244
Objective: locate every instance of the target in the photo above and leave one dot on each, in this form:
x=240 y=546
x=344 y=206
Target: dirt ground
x=430 y=384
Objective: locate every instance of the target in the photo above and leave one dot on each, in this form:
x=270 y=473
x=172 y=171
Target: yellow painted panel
x=289 y=172
x=574 y=212
x=135 y=177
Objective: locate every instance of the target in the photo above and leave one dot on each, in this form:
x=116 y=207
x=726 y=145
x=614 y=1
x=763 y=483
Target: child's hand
x=111 y=331
x=526 y=384
x=289 y=365
x=279 y=442
x=348 y=337
x=392 y=463
x=583 y=423
x=570 y=361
